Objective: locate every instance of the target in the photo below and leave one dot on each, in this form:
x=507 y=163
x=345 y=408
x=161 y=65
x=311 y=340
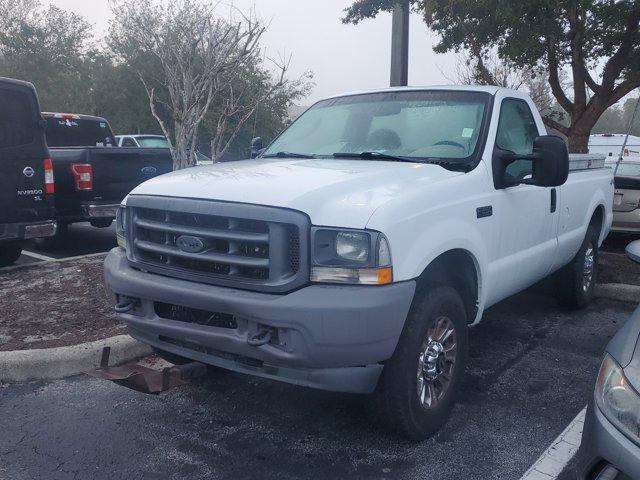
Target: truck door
x=526 y=242
x=24 y=193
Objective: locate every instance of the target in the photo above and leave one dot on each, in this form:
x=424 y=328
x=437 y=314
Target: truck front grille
x=240 y=245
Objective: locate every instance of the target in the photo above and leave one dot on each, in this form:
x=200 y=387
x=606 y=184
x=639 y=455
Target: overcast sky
x=342 y=57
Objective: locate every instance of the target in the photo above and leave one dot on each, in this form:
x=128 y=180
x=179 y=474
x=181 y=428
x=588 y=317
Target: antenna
x=626 y=138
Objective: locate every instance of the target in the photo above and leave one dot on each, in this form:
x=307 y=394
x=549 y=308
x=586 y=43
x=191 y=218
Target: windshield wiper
x=377 y=156
x=288 y=155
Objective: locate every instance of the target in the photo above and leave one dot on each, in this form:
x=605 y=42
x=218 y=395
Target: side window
x=128 y=142
x=516 y=132
x=17 y=123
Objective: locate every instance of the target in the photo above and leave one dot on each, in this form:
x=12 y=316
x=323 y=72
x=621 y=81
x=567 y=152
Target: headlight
x=121 y=227
x=617 y=400
x=351 y=256
x=353 y=246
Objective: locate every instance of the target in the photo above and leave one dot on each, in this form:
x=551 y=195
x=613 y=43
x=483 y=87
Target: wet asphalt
x=532 y=368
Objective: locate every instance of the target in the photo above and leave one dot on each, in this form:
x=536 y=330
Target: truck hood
x=332 y=192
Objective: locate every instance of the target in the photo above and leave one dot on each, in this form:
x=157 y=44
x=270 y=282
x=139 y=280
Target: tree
x=490 y=70
x=50 y=48
x=616 y=119
x=200 y=58
x=597 y=41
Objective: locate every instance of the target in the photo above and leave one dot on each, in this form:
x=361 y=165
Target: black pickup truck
x=93 y=174
x=26 y=172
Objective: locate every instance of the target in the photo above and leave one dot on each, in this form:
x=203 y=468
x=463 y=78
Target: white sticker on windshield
x=103 y=125
x=467 y=132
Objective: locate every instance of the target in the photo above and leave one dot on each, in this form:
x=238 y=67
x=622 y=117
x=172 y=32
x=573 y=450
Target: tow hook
x=125 y=305
x=261 y=338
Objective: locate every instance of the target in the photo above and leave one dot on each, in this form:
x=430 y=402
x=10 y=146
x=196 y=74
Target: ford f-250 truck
x=26 y=172
x=354 y=253
x=92 y=173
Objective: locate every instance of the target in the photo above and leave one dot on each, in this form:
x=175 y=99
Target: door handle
x=554 y=200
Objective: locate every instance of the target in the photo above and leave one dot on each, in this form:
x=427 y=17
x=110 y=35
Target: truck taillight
x=49 y=186
x=83 y=174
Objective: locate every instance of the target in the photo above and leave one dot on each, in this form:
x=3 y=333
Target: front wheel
x=576 y=281
x=419 y=384
x=9 y=253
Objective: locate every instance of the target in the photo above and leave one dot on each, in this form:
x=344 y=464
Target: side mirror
x=256 y=147
x=549 y=165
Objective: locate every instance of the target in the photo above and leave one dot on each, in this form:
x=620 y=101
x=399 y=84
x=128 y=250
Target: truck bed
x=115 y=172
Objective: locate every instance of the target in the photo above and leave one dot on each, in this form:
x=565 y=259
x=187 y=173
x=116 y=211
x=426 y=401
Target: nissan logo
x=189 y=244
x=149 y=170
x=28 y=172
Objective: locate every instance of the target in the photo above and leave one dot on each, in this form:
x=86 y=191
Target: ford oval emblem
x=189 y=244
x=149 y=170
x=28 y=172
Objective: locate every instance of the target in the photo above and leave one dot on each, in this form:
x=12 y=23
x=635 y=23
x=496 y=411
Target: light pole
x=400 y=44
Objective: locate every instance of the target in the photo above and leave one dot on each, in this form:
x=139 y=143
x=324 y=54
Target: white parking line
x=37 y=255
x=559 y=454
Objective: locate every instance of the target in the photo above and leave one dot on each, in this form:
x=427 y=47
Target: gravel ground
x=55 y=304
x=533 y=367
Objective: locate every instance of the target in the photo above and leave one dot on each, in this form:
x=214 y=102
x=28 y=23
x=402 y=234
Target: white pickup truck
x=355 y=251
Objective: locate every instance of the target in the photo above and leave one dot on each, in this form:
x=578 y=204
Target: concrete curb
x=60 y=362
x=619 y=291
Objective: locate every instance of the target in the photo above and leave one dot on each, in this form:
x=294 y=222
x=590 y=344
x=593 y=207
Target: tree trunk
x=182 y=151
x=578 y=141
x=580 y=129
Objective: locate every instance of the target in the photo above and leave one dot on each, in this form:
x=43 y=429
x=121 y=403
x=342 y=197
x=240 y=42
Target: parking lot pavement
x=617 y=242
x=533 y=367
x=82 y=239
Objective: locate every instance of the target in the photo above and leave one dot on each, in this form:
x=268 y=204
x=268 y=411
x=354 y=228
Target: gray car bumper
x=325 y=336
x=98 y=210
x=26 y=231
x=605 y=453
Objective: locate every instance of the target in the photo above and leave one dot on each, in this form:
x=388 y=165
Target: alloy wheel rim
x=436 y=362
x=587 y=268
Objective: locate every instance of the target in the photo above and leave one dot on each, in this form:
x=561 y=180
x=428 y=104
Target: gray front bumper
x=606 y=450
x=335 y=337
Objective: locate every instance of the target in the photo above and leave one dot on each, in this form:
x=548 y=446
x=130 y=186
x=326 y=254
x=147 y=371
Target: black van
x=26 y=171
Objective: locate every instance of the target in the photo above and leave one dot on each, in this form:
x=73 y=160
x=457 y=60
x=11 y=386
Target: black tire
x=101 y=222
x=48 y=244
x=9 y=253
x=575 y=287
x=171 y=357
x=403 y=411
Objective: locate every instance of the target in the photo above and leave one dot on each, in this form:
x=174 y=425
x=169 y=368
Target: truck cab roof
x=490 y=89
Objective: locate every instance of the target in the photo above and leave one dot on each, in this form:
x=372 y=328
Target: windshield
x=153 y=142
x=78 y=132
x=415 y=124
x=629 y=170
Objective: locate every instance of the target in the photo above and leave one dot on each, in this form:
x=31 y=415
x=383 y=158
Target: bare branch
x=550 y=122
x=554 y=80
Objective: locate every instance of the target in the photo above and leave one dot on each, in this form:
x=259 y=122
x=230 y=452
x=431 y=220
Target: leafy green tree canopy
x=48 y=47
